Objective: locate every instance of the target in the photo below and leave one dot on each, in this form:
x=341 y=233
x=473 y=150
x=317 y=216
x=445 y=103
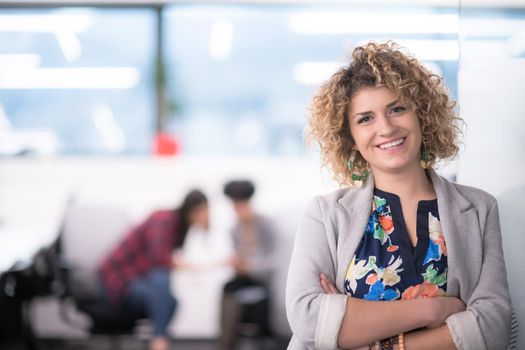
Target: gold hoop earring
x=425 y=162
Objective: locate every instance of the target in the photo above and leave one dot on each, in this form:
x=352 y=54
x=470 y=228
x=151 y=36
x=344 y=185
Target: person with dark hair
x=135 y=276
x=246 y=297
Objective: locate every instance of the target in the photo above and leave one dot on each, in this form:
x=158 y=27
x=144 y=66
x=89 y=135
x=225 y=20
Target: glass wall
x=242 y=76
x=239 y=77
x=76 y=81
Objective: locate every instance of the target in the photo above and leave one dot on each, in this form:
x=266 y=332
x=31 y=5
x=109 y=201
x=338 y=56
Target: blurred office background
x=129 y=104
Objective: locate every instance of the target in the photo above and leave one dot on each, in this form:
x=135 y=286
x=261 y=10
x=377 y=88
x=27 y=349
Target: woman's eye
x=398 y=109
x=364 y=119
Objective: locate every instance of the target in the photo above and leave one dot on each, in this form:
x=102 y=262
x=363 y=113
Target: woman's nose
x=385 y=126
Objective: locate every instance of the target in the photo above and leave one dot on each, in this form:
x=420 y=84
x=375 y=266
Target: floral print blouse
x=386 y=266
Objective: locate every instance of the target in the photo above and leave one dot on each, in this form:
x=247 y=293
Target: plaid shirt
x=147 y=246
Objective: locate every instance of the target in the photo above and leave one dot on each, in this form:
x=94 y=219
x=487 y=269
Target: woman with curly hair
x=428 y=249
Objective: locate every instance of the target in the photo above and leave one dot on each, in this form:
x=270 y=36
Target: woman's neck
x=408 y=184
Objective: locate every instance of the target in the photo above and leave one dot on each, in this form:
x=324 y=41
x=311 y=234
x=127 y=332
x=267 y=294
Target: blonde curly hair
x=381 y=65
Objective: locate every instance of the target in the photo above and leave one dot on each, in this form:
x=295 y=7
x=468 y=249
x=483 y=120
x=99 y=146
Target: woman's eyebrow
x=360 y=113
x=393 y=103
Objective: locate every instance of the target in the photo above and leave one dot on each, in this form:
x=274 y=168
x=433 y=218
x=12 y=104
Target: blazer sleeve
x=314 y=317
x=486 y=322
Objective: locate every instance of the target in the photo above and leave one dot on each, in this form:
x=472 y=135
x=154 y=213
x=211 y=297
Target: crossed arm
x=319 y=318
x=421 y=321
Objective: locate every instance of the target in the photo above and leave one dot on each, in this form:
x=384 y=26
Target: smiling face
x=386 y=131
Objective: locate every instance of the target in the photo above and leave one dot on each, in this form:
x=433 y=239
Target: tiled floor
x=128 y=343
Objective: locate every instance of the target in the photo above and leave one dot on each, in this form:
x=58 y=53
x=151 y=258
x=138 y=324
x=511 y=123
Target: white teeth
x=391 y=144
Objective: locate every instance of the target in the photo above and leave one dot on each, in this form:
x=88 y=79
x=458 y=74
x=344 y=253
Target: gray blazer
x=331 y=230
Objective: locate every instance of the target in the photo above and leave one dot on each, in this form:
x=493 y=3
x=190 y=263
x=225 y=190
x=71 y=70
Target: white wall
x=35 y=193
x=492 y=103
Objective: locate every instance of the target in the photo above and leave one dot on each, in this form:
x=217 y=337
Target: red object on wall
x=166 y=145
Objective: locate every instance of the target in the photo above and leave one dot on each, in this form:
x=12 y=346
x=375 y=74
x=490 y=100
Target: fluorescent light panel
x=314 y=73
x=221 y=39
x=44 y=23
x=71 y=78
x=431 y=50
x=111 y=133
x=19 y=61
x=490 y=27
x=373 y=23
x=69 y=44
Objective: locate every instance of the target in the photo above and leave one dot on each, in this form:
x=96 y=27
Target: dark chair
x=254 y=324
x=19 y=285
x=17 y=288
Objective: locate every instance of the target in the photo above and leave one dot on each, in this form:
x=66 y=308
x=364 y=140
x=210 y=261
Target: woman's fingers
x=324 y=284
x=327 y=284
x=325 y=287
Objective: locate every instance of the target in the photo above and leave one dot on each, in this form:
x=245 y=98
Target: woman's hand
x=442 y=308
x=327 y=285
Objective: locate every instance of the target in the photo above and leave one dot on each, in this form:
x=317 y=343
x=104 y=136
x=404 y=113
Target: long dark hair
x=192 y=200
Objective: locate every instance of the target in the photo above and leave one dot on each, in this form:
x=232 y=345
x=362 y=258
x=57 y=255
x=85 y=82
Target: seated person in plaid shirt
x=136 y=274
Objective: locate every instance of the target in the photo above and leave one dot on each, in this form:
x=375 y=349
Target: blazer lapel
x=456 y=213
x=457 y=217
x=350 y=220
